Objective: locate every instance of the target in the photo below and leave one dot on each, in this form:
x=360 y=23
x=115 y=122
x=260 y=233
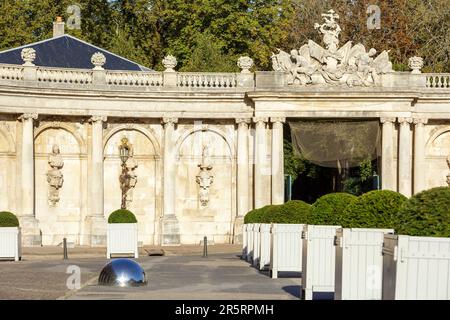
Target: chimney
x=58 y=27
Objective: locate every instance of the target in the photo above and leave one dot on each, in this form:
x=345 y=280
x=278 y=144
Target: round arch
x=436 y=134
x=65 y=127
x=219 y=132
x=138 y=128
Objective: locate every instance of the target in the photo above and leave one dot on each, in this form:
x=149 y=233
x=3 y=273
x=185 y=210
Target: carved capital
x=260 y=119
x=387 y=120
x=28 y=116
x=98 y=119
x=420 y=121
x=277 y=119
x=405 y=121
x=243 y=120
x=169 y=120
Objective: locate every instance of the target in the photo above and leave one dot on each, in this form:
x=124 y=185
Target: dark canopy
x=68 y=52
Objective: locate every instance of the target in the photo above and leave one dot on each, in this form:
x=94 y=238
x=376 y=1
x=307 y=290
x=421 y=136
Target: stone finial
x=98 y=59
x=28 y=56
x=245 y=63
x=415 y=64
x=169 y=62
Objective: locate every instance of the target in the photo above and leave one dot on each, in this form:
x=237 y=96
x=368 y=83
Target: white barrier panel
x=318 y=259
x=359 y=263
x=416 y=268
x=122 y=239
x=264 y=256
x=256 y=244
x=250 y=242
x=286 y=248
x=10 y=243
x=244 y=242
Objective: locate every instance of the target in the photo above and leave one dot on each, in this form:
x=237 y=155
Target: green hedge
x=375 y=209
x=426 y=214
x=8 y=219
x=122 y=216
x=294 y=211
x=328 y=209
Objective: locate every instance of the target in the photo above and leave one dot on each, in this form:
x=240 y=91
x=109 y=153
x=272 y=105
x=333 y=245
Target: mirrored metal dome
x=122 y=273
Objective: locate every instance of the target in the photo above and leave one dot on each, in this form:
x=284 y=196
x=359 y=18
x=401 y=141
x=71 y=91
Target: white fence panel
x=244 y=242
x=256 y=244
x=416 y=268
x=359 y=263
x=286 y=248
x=318 y=259
x=122 y=239
x=250 y=242
x=264 y=255
x=10 y=243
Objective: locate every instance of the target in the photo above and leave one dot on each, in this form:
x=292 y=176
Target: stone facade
x=169 y=117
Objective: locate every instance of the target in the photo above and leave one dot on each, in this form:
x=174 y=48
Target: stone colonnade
x=411 y=157
x=267 y=170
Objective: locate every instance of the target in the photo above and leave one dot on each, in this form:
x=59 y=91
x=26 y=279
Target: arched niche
x=7 y=170
x=436 y=153
x=64 y=218
x=215 y=220
x=146 y=194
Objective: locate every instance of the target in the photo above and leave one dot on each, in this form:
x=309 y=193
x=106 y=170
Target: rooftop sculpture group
x=348 y=65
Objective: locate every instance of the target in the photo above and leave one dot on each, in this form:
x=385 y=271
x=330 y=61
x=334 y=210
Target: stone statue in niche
x=55 y=177
x=348 y=65
x=128 y=177
x=205 y=178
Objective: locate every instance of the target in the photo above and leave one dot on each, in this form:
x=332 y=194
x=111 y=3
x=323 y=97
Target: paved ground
x=181 y=274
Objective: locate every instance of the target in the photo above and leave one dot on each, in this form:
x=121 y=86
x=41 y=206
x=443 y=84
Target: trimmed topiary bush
x=8 y=219
x=374 y=209
x=426 y=214
x=295 y=211
x=255 y=215
x=122 y=216
x=328 y=209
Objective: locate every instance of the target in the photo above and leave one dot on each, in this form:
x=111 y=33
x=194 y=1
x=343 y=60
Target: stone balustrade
x=438 y=80
x=207 y=80
x=15 y=74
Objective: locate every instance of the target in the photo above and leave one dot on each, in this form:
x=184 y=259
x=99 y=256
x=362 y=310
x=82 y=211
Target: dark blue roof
x=68 y=52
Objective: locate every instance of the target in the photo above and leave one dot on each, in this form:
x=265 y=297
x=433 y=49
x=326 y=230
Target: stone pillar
x=242 y=177
x=388 y=176
x=404 y=157
x=31 y=235
x=170 y=230
x=419 y=154
x=97 y=215
x=277 y=160
x=261 y=167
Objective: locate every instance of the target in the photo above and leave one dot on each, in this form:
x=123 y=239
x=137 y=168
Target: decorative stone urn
x=169 y=62
x=28 y=56
x=245 y=63
x=98 y=59
x=415 y=64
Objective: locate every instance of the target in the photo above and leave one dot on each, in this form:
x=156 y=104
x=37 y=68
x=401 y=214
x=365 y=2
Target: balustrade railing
x=64 y=76
x=207 y=80
x=11 y=72
x=136 y=78
x=438 y=80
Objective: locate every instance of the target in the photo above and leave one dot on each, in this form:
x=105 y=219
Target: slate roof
x=67 y=51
